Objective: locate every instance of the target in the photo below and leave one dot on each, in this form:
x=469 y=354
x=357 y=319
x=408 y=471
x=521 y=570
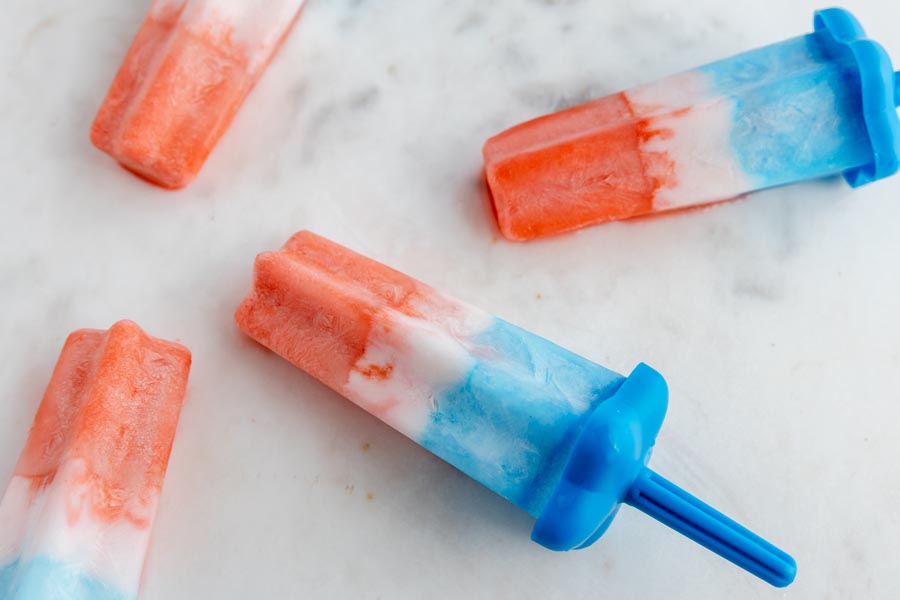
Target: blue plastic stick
x=652 y=494
x=608 y=467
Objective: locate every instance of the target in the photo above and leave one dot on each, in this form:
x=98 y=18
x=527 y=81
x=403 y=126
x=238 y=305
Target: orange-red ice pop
x=186 y=74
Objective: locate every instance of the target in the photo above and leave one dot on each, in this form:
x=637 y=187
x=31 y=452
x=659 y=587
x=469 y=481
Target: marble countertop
x=774 y=318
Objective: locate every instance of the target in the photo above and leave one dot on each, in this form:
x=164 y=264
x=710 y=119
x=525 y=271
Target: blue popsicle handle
x=672 y=506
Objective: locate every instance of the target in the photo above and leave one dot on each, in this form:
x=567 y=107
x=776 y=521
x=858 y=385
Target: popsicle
x=564 y=438
x=812 y=106
x=186 y=74
x=76 y=518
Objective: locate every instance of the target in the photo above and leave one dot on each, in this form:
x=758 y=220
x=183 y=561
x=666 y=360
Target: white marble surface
x=775 y=318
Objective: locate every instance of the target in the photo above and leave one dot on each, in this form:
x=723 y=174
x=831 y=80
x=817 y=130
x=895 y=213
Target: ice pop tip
x=607 y=468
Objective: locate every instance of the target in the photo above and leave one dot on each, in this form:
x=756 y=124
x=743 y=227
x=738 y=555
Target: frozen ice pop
x=558 y=435
x=186 y=74
x=75 y=520
x=812 y=106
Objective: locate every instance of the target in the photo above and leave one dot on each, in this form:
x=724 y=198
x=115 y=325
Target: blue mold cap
x=843 y=38
x=608 y=467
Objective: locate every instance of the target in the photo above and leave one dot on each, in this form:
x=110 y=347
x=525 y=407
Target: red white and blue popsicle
x=556 y=434
x=812 y=106
x=75 y=521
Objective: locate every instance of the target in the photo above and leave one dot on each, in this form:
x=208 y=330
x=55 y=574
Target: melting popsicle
x=812 y=106
x=186 y=74
x=75 y=520
x=558 y=435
